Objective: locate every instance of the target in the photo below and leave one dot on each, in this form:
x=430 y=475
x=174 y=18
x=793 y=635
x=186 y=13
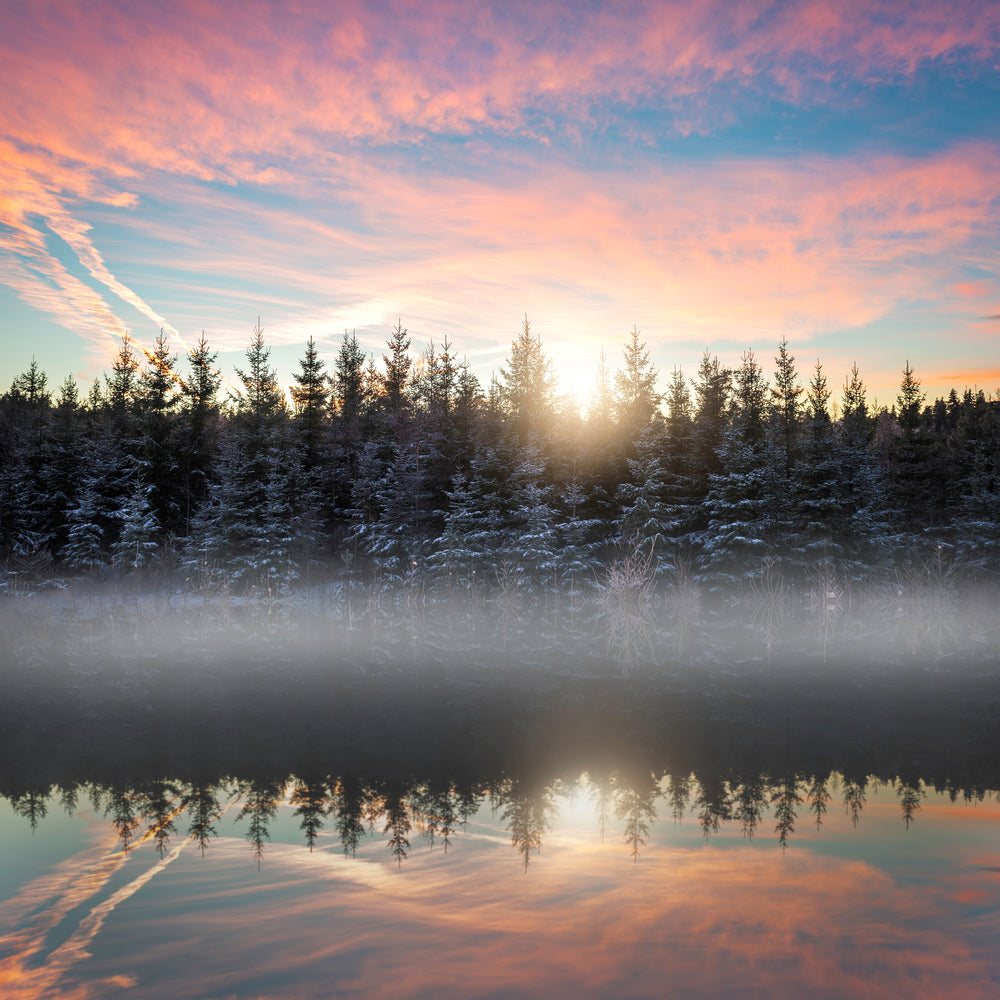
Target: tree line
x=407 y=468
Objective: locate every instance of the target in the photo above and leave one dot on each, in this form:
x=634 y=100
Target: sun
x=576 y=376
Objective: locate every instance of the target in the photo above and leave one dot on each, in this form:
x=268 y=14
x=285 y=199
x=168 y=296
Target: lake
x=268 y=824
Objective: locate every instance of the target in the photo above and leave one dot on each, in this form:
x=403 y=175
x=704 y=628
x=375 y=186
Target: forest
x=405 y=478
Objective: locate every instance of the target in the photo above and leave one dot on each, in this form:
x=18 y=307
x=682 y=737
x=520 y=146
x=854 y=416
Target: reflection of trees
x=31 y=805
x=527 y=811
x=637 y=806
x=678 y=794
x=722 y=748
x=435 y=811
x=749 y=804
x=311 y=801
x=603 y=800
x=119 y=802
x=712 y=803
x=468 y=799
x=397 y=822
x=910 y=793
x=68 y=796
x=785 y=797
x=819 y=798
x=438 y=808
x=202 y=804
x=854 y=797
x=347 y=805
x=260 y=805
x=158 y=803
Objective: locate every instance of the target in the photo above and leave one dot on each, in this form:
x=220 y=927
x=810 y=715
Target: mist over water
x=628 y=627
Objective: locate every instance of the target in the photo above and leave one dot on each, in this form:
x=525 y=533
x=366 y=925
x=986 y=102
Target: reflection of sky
x=876 y=911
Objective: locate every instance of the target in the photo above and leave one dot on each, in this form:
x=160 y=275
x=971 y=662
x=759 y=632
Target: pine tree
x=785 y=407
x=92 y=524
x=646 y=523
x=157 y=451
x=601 y=404
x=349 y=381
x=856 y=423
x=534 y=539
x=864 y=534
x=199 y=431
x=397 y=373
x=394 y=540
x=310 y=396
x=260 y=404
x=456 y=555
x=744 y=503
x=911 y=459
x=26 y=524
x=123 y=383
x=580 y=538
x=528 y=389
x=820 y=517
x=137 y=542
x=636 y=399
x=748 y=405
x=63 y=465
x=712 y=388
x=677 y=458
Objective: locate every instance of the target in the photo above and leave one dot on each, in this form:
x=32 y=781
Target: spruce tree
x=310 y=396
x=646 y=521
x=138 y=537
x=397 y=373
x=528 y=389
x=677 y=455
x=786 y=408
x=910 y=457
x=157 y=393
x=199 y=427
x=712 y=388
x=743 y=503
x=865 y=535
x=636 y=400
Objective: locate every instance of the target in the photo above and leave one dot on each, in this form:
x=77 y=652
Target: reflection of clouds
x=583 y=922
x=40 y=908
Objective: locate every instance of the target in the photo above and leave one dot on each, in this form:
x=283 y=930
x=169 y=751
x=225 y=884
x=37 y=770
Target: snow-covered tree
x=137 y=542
x=646 y=520
x=528 y=386
x=636 y=399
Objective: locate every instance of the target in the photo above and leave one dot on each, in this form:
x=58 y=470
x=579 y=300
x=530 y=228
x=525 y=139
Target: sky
x=718 y=174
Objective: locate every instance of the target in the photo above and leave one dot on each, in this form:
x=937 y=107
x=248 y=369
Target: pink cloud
x=109 y=104
x=974 y=288
x=190 y=88
x=584 y=921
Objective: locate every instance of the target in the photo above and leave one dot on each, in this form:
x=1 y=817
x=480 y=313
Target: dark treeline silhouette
x=404 y=472
x=164 y=752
